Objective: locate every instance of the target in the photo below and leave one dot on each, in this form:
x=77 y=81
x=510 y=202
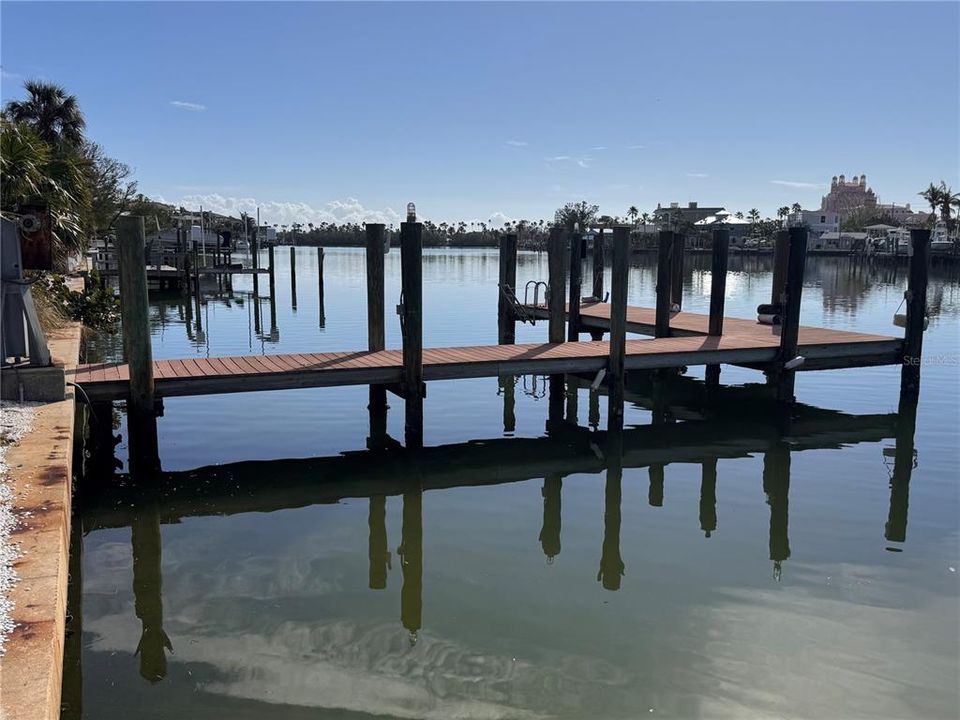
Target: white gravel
x=15 y=421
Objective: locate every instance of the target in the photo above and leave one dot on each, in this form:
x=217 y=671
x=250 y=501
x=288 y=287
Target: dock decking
x=744 y=342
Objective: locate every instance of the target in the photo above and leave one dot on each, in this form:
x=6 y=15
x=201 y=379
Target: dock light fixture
x=411 y=212
x=795 y=363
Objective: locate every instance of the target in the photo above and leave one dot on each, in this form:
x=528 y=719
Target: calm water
x=278 y=569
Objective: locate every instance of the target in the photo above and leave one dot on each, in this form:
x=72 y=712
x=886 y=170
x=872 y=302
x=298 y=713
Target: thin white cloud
x=184 y=105
x=635 y=147
x=583 y=162
x=516 y=143
x=697 y=175
x=7 y=75
x=797 y=184
x=599 y=147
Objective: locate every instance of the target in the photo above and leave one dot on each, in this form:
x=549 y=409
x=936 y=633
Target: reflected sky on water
x=715 y=565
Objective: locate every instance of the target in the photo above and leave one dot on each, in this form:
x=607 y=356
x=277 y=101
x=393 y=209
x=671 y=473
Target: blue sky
x=318 y=110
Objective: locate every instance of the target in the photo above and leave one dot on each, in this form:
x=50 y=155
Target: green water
x=522 y=566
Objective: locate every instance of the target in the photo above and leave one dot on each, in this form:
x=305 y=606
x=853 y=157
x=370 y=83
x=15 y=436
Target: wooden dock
x=744 y=342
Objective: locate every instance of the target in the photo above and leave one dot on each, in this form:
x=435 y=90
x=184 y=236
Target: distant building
x=902 y=214
x=688 y=215
x=847 y=196
x=817 y=221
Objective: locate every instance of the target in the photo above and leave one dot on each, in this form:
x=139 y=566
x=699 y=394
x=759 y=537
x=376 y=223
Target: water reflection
x=381 y=472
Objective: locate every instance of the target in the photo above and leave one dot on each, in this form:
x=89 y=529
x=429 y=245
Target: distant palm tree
x=632 y=213
x=754 y=217
x=934 y=195
x=796 y=208
x=738 y=215
x=782 y=213
x=53 y=114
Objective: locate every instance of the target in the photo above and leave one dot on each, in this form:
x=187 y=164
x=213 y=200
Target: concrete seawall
x=41 y=478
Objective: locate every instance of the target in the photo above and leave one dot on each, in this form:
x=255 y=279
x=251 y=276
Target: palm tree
x=35 y=173
x=738 y=215
x=782 y=213
x=754 y=217
x=948 y=198
x=934 y=195
x=632 y=213
x=796 y=207
x=53 y=114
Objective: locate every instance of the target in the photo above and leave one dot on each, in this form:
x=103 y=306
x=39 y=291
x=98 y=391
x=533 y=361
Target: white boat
x=939 y=238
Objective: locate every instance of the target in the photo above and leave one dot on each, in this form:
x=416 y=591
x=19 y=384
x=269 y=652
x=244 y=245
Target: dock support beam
x=376 y=331
x=916 y=299
x=718 y=288
x=664 y=258
x=576 y=284
x=411 y=324
x=506 y=321
x=676 y=270
x=272 y=275
x=618 y=327
x=790 y=329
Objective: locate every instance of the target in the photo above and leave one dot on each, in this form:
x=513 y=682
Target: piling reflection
x=776 y=485
x=410 y=553
x=145 y=540
x=550 y=529
x=731 y=428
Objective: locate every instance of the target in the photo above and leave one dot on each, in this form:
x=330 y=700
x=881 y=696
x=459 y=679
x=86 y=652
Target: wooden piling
x=556 y=284
x=598 y=261
x=376 y=330
x=271 y=274
x=411 y=553
x=718 y=288
x=255 y=262
x=411 y=323
x=506 y=320
x=293 y=277
x=708 y=497
x=916 y=302
x=664 y=262
x=576 y=284
x=134 y=312
x=618 y=326
x=896 y=527
x=781 y=258
x=676 y=270
x=320 y=283
x=790 y=327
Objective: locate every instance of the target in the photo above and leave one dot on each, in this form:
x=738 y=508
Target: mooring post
x=556 y=284
x=790 y=327
x=598 y=261
x=255 y=262
x=147 y=549
x=781 y=259
x=134 y=312
x=376 y=331
x=320 y=283
x=293 y=277
x=506 y=320
x=271 y=274
x=676 y=270
x=612 y=567
x=618 y=327
x=664 y=262
x=718 y=288
x=576 y=283
x=411 y=324
x=916 y=300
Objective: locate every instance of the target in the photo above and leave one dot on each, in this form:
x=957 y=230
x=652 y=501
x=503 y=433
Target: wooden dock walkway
x=744 y=342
